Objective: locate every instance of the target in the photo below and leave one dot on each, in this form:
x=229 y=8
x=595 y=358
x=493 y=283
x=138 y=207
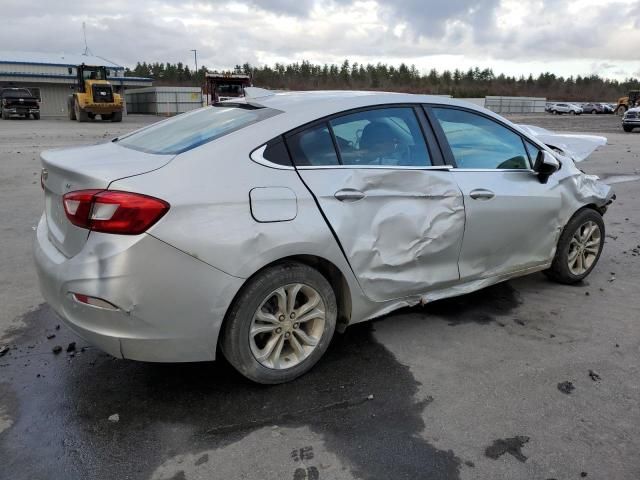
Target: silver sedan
x=257 y=228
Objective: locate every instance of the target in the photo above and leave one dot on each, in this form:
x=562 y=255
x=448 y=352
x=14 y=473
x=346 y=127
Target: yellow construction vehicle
x=625 y=103
x=94 y=96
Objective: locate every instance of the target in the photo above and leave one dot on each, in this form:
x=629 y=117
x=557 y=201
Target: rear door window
x=381 y=136
x=313 y=147
x=195 y=128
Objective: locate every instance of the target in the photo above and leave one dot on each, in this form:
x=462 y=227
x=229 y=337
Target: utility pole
x=195 y=57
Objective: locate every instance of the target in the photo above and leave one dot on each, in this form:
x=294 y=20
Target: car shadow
x=359 y=398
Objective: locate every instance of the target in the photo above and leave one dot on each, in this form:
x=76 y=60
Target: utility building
x=52 y=77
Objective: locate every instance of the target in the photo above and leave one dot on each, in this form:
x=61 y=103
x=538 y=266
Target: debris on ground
x=57 y=349
x=566 y=387
x=50 y=336
x=57 y=327
x=594 y=376
x=370 y=397
x=115 y=418
x=3 y=350
x=71 y=347
x=583 y=474
x=512 y=446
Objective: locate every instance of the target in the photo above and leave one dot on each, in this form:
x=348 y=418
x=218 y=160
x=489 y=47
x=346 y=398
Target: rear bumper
x=170 y=306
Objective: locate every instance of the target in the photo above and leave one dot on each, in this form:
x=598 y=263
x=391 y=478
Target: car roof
x=307 y=106
x=342 y=99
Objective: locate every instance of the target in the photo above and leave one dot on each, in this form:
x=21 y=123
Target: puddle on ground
x=60 y=406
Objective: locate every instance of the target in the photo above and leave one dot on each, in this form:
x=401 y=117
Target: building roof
x=58 y=59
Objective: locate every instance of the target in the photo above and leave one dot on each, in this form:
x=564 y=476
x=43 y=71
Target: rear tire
x=116 y=117
x=36 y=116
x=5 y=115
x=268 y=305
x=579 y=247
x=621 y=110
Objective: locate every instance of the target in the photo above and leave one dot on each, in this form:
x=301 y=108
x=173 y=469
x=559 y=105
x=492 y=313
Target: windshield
x=94 y=74
x=193 y=129
x=16 y=93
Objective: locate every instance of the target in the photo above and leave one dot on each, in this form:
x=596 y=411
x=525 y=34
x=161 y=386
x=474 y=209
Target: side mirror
x=546 y=165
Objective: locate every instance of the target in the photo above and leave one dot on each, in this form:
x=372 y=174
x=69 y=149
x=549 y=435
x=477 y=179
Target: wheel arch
x=327 y=269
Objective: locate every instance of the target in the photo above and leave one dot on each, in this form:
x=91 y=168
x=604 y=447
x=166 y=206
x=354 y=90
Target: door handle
x=481 y=194
x=349 y=195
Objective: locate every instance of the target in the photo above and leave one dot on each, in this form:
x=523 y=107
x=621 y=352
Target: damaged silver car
x=257 y=228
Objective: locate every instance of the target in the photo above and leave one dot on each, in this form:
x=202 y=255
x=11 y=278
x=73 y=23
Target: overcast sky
x=511 y=36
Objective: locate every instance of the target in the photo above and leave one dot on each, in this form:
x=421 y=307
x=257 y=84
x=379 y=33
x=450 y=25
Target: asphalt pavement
x=523 y=380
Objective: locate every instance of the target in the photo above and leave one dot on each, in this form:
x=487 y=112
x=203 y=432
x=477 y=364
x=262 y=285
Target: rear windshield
x=16 y=93
x=193 y=129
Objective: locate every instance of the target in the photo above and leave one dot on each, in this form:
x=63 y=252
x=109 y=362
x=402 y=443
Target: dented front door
x=401 y=230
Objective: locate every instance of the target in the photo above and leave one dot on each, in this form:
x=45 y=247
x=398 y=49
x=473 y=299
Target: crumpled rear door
x=401 y=230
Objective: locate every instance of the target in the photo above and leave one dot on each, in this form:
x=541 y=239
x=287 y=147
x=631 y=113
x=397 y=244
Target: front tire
x=280 y=324
x=116 y=117
x=627 y=128
x=80 y=114
x=579 y=247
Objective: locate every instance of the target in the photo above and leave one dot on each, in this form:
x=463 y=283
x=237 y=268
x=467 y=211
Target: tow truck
x=225 y=86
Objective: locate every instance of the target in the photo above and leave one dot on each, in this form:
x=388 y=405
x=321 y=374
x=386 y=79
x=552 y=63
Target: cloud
x=592 y=36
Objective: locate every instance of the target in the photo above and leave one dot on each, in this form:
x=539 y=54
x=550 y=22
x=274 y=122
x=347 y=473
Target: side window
x=384 y=136
x=478 y=142
x=313 y=146
x=276 y=152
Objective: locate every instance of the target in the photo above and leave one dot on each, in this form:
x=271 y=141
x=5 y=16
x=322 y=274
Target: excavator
x=630 y=101
x=94 y=96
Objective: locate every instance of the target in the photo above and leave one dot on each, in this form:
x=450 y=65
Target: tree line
x=474 y=82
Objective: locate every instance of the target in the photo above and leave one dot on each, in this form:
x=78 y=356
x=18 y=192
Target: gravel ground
x=477 y=387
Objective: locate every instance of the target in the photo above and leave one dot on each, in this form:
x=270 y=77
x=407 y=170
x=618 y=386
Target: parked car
x=257 y=227
x=593 y=108
x=18 y=101
x=631 y=119
x=560 y=108
x=607 y=108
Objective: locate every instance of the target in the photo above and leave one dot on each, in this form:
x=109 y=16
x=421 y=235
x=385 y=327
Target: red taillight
x=111 y=211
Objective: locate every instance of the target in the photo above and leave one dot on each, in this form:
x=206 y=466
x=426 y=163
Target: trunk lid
x=81 y=168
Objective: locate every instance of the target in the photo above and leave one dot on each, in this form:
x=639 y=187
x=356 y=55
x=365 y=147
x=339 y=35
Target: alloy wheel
x=584 y=248
x=287 y=326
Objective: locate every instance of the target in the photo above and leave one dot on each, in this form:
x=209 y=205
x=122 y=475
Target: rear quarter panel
x=210 y=217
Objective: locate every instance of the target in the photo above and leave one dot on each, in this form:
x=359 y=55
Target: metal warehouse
x=52 y=77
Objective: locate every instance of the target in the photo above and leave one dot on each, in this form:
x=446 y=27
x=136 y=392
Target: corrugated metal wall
x=163 y=100
x=54 y=100
x=515 y=104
